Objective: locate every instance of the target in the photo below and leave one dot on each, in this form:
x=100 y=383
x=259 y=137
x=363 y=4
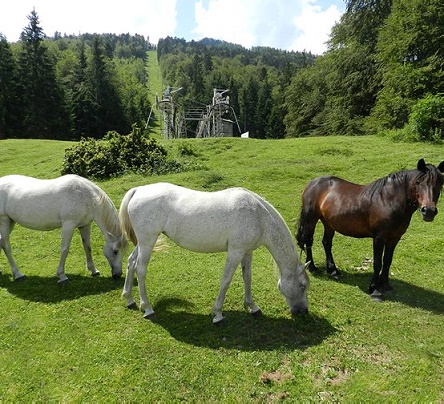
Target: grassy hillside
x=155 y=86
x=77 y=342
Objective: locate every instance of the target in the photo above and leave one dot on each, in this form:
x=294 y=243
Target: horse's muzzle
x=117 y=275
x=428 y=213
x=297 y=310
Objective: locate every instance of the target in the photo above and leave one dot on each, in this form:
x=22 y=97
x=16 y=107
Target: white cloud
x=283 y=24
x=315 y=25
x=152 y=18
x=292 y=25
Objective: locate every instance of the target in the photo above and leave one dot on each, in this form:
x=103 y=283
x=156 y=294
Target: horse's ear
x=421 y=165
x=441 y=166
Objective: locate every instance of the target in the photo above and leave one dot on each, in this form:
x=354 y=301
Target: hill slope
x=346 y=349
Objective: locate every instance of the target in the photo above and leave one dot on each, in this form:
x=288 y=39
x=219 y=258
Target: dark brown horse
x=381 y=210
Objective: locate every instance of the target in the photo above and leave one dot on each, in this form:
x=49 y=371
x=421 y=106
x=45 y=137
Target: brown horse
x=381 y=210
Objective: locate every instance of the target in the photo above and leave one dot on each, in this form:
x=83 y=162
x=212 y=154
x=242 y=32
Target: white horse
x=234 y=220
x=67 y=202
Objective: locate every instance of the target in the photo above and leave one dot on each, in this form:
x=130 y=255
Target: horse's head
x=294 y=288
x=114 y=250
x=428 y=188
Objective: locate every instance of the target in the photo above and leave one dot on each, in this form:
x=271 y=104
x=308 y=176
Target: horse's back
x=197 y=220
x=44 y=203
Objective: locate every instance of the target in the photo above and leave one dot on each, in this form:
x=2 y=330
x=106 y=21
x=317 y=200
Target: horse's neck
x=106 y=217
x=279 y=242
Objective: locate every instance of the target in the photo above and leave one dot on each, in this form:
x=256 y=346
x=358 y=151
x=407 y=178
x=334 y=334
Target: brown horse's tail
x=124 y=220
x=301 y=233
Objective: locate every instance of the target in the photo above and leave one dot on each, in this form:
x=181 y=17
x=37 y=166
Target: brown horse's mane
x=401 y=180
x=398 y=180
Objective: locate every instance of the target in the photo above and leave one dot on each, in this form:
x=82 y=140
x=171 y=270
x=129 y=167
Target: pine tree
x=8 y=90
x=109 y=113
x=41 y=99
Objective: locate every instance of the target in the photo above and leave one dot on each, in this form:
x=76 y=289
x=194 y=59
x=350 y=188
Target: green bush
x=117 y=154
x=427 y=118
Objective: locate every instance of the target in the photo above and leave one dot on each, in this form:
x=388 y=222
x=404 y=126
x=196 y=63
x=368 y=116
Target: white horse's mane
x=108 y=212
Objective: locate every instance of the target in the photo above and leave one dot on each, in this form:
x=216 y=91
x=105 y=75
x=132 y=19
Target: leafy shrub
x=117 y=154
x=427 y=118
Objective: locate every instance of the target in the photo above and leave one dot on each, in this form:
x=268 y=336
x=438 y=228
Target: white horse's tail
x=124 y=220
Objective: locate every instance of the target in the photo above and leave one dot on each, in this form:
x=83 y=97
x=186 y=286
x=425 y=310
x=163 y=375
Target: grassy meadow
x=78 y=343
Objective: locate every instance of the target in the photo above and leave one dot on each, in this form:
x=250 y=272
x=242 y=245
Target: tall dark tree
x=8 y=90
x=248 y=106
x=42 y=101
x=411 y=57
x=83 y=107
x=109 y=112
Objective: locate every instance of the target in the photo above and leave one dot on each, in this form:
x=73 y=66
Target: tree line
x=70 y=87
x=256 y=78
x=383 y=72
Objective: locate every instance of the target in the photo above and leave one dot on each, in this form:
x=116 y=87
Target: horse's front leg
x=233 y=260
x=67 y=233
x=129 y=278
x=327 y=242
x=246 y=274
x=85 y=233
x=378 y=249
x=389 y=249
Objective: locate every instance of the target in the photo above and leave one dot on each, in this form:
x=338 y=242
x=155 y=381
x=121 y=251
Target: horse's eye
x=115 y=252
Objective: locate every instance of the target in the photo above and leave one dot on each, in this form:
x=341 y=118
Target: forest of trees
x=256 y=79
x=383 y=71
x=72 y=86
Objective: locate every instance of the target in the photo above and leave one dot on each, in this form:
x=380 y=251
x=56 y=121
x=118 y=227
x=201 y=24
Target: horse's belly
x=199 y=243
x=351 y=227
x=37 y=223
x=42 y=218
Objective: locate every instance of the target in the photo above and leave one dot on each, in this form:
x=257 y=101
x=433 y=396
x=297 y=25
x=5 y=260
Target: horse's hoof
x=20 y=278
x=63 y=281
x=219 y=323
x=132 y=306
x=314 y=270
x=151 y=316
x=387 y=288
x=377 y=296
x=335 y=275
x=257 y=313
x=97 y=273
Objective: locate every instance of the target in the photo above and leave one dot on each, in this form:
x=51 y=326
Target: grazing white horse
x=234 y=220
x=67 y=202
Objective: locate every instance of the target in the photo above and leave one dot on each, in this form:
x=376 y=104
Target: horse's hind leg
x=142 y=259
x=305 y=233
x=129 y=278
x=85 y=233
x=5 y=230
x=327 y=242
x=246 y=274
x=233 y=260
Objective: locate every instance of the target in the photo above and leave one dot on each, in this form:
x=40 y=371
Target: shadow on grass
x=240 y=330
x=404 y=292
x=47 y=290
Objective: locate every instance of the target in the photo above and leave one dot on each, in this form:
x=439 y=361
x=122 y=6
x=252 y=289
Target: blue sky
x=284 y=24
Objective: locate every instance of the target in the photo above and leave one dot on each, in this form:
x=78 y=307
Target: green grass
x=78 y=343
x=155 y=88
